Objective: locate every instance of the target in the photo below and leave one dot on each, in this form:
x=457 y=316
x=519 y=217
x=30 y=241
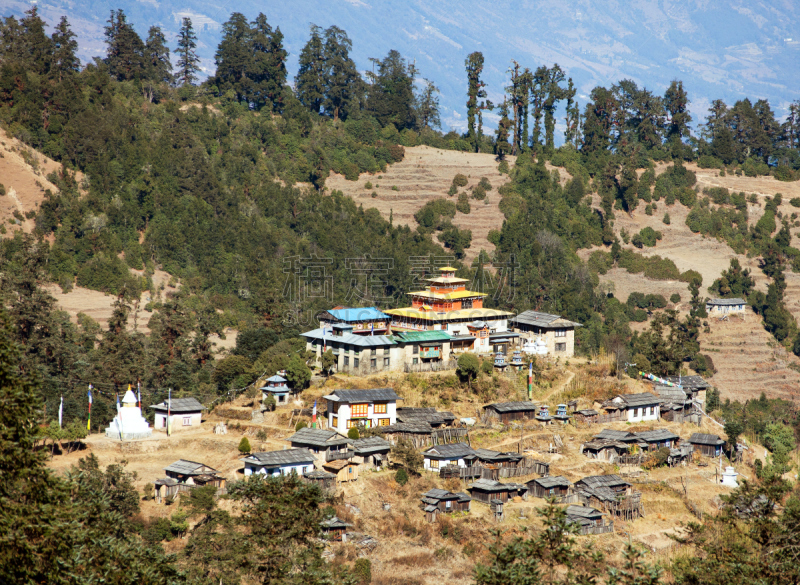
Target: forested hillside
x=223 y=185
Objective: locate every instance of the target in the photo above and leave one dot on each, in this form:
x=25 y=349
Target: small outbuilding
x=344 y=469
x=485 y=490
x=325 y=444
x=707 y=445
x=605 y=449
x=324 y=479
x=725 y=307
x=586 y=415
x=433 y=417
x=459 y=454
x=276 y=386
x=334 y=529
x=182 y=413
x=556 y=486
x=505 y=412
x=658 y=438
x=588 y=519
x=371 y=451
x=438 y=501
x=634 y=407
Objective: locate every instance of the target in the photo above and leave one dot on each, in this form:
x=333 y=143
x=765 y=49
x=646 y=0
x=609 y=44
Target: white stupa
x=729 y=477
x=129 y=422
x=537 y=346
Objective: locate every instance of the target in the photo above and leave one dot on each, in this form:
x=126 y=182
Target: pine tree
x=310 y=79
x=188 y=61
x=37 y=46
x=343 y=84
x=267 y=68
x=65 y=61
x=572 y=119
x=555 y=93
x=475 y=91
x=391 y=91
x=159 y=68
x=233 y=57
x=676 y=103
x=428 y=107
x=126 y=51
x=502 y=147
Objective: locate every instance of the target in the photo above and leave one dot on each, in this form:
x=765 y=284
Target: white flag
x=60 y=411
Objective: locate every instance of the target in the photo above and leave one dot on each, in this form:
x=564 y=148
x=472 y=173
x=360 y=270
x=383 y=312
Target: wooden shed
x=485 y=490
x=324 y=479
x=586 y=415
x=506 y=412
x=556 y=486
x=658 y=438
x=588 y=519
x=344 y=469
x=371 y=452
x=438 y=501
x=165 y=489
x=604 y=449
x=334 y=529
x=707 y=445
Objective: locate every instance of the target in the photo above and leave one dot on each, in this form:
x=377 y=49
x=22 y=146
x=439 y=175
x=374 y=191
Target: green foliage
x=404 y=453
x=487 y=367
x=353 y=433
x=244 y=446
x=401 y=476
x=485 y=184
x=460 y=180
x=675 y=298
x=230 y=369
x=456 y=239
x=733 y=282
x=328 y=360
x=712 y=400
x=301 y=424
x=362 y=569
x=2 y=189
x=666 y=220
x=732 y=431
x=646 y=237
x=467 y=367
x=298 y=373
x=462 y=206
x=269 y=403
x=709 y=162
x=430 y=216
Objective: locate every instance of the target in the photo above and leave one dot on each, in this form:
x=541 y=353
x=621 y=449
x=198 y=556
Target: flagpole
x=314 y=416
x=60 y=411
x=169 y=412
x=530 y=381
x=89 y=420
x=119 y=417
x=139 y=393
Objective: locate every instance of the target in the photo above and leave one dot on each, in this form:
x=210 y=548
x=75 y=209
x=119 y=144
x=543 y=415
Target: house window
x=415 y=361
x=386 y=362
x=346 y=361
x=349 y=469
x=187 y=421
x=359 y=410
x=372 y=362
x=434 y=464
x=447 y=504
x=379 y=408
x=351 y=424
x=373 y=351
x=355 y=362
x=384 y=422
x=416 y=350
x=561 y=332
x=335 y=421
x=561 y=347
x=638 y=412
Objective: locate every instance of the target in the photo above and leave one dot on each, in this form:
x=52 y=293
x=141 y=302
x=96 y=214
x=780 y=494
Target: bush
x=691 y=276
x=401 y=476
x=479 y=193
x=148 y=491
x=362 y=569
x=2 y=189
x=648 y=210
x=430 y=215
x=463 y=204
x=301 y=424
x=394 y=188
x=368 y=185
x=649 y=237
x=485 y=184
x=353 y=434
x=781 y=173
x=452 y=191
x=666 y=219
x=709 y=162
x=244 y=445
x=460 y=180
x=675 y=298
x=398 y=152
x=503 y=168
x=794 y=201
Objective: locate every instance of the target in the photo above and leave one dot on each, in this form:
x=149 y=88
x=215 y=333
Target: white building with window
x=279 y=462
x=635 y=407
x=459 y=454
x=557 y=333
x=184 y=413
x=370 y=408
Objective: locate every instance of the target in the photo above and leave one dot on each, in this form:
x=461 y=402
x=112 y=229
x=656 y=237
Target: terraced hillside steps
x=749 y=361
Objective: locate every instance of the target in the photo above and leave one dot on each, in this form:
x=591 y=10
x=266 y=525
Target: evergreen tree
x=343 y=84
x=310 y=79
x=391 y=91
x=475 y=91
x=502 y=147
x=37 y=46
x=159 y=68
x=427 y=107
x=266 y=72
x=125 y=50
x=188 y=61
x=572 y=118
x=676 y=103
x=233 y=57
x=121 y=353
x=65 y=61
x=598 y=121
x=555 y=93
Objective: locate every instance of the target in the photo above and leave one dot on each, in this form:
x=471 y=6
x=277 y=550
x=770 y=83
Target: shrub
x=269 y=403
x=675 y=298
x=460 y=180
x=301 y=424
x=485 y=184
x=2 y=189
x=637 y=240
x=666 y=219
x=401 y=476
x=648 y=210
x=479 y=193
x=452 y=191
x=691 y=276
x=244 y=445
x=463 y=204
x=503 y=168
x=148 y=491
x=487 y=367
x=362 y=569
x=374 y=195
x=709 y=162
x=368 y=185
x=394 y=188
x=429 y=215
x=398 y=152
x=353 y=434
x=649 y=236
x=782 y=173
x=794 y=201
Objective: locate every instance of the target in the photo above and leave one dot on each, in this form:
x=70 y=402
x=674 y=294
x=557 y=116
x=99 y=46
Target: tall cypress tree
x=37 y=46
x=156 y=52
x=267 y=67
x=188 y=61
x=428 y=107
x=65 y=61
x=233 y=56
x=502 y=147
x=126 y=51
x=475 y=91
x=676 y=103
x=391 y=93
x=343 y=84
x=310 y=79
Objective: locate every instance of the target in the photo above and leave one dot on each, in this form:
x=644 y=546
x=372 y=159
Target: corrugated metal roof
x=613 y=435
x=726 y=302
x=453 y=450
x=278 y=458
x=544 y=320
x=551 y=481
x=583 y=512
x=180 y=405
x=706 y=439
x=370 y=395
x=351 y=339
x=637 y=400
x=520 y=406
x=352 y=315
x=416 y=336
x=318 y=438
x=276 y=378
x=370 y=445
x=185 y=467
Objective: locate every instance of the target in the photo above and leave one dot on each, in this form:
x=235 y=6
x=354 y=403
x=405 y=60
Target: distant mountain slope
x=743 y=49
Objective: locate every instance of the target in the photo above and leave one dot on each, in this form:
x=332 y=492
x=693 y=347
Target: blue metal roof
x=351 y=339
x=276 y=378
x=358 y=314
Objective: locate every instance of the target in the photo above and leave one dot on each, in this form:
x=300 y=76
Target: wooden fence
x=569 y=499
x=447 y=436
x=516 y=471
x=438 y=366
x=598 y=529
x=611 y=417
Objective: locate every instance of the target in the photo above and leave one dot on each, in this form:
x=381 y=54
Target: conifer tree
x=65 y=61
x=676 y=103
x=159 y=68
x=475 y=91
x=310 y=79
x=37 y=46
x=391 y=91
x=125 y=50
x=428 y=107
x=573 y=118
x=233 y=56
x=502 y=147
x=343 y=84
x=188 y=61
x=267 y=67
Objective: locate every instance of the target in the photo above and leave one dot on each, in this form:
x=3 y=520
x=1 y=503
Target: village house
x=634 y=407
x=676 y=406
x=611 y=494
x=557 y=333
x=487 y=457
x=588 y=519
x=436 y=501
x=707 y=445
x=446 y=305
x=658 y=438
x=368 y=408
x=326 y=445
x=184 y=475
x=355 y=353
x=505 y=412
x=417 y=348
x=725 y=307
x=344 y=469
x=695 y=387
x=275 y=386
x=334 y=529
x=626 y=437
x=605 y=449
x=324 y=479
x=556 y=486
x=419 y=434
x=371 y=451
x=434 y=458
x=364 y=320
x=184 y=413
x=586 y=416
x=485 y=490
x=436 y=419
x=283 y=462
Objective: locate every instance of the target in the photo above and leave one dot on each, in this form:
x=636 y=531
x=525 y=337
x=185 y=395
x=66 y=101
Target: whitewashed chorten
x=129 y=422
